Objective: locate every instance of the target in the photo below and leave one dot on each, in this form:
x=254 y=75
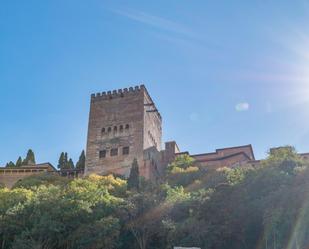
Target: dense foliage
x=29 y=160
x=264 y=207
x=64 y=163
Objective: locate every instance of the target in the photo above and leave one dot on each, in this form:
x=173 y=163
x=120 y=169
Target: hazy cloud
x=171 y=31
x=194 y=117
x=243 y=106
x=155 y=21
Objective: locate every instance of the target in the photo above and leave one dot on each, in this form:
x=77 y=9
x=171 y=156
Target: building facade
x=226 y=157
x=10 y=175
x=122 y=125
x=125 y=124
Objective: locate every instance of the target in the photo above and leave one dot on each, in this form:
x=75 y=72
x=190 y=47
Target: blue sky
x=222 y=73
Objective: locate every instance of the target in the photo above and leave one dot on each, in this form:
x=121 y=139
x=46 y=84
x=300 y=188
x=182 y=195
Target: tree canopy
x=81 y=161
x=30 y=158
x=245 y=207
x=134 y=177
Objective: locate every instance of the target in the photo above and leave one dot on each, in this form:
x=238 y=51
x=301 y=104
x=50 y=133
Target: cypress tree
x=70 y=164
x=65 y=160
x=61 y=161
x=10 y=164
x=30 y=158
x=81 y=161
x=19 y=162
x=64 y=163
x=133 y=180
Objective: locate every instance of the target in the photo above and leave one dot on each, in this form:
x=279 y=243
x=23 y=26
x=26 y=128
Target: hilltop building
x=125 y=124
x=10 y=175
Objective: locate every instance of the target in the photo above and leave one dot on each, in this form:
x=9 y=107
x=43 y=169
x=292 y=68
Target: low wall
x=10 y=178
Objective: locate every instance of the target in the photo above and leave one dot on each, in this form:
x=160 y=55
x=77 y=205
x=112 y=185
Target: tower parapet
x=122 y=124
x=120 y=93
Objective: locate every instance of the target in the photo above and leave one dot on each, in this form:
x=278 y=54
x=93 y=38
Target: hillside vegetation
x=264 y=207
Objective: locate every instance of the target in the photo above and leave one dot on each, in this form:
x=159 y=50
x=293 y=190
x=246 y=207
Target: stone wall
x=231 y=161
x=121 y=120
x=225 y=157
x=127 y=119
x=152 y=124
x=9 y=176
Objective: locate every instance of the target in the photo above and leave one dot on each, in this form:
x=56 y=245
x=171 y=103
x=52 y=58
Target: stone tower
x=122 y=125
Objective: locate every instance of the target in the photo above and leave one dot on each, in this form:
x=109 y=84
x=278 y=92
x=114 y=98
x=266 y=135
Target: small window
x=127 y=126
x=103 y=130
x=114 y=152
x=109 y=129
x=102 y=154
x=115 y=128
x=125 y=150
x=121 y=127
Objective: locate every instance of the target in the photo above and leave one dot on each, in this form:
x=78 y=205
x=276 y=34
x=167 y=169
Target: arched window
x=115 y=128
x=109 y=129
x=127 y=126
x=121 y=127
x=103 y=130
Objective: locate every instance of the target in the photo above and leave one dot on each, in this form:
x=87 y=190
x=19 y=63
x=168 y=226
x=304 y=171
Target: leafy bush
x=41 y=179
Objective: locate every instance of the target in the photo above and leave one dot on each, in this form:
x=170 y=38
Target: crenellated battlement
x=122 y=124
x=116 y=93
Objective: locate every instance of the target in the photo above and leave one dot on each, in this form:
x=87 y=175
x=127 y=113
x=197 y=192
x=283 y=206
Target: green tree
x=64 y=163
x=61 y=161
x=19 y=162
x=30 y=158
x=41 y=179
x=79 y=214
x=81 y=161
x=100 y=234
x=134 y=179
x=65 y=158
x=70 y=164
x=10 y=164
x=182 y=162
x=145 y=210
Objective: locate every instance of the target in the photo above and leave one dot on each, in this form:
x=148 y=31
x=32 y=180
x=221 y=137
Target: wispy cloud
x=187 y=38
x=243 y=106
x=155 y=21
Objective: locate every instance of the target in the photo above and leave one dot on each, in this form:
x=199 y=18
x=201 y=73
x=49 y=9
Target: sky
x=222 y=73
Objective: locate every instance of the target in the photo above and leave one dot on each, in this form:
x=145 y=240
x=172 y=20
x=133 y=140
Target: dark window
x=121 y=127
x=115 y=128
x=127 y=126
x=125 y=150
x=102 y=154
x=114 y=152
x=109 y=129
x=103 y=130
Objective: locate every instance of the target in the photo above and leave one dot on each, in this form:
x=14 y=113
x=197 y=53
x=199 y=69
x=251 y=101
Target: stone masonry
x=122 y=125
x=9 y=176
x=125 y=124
